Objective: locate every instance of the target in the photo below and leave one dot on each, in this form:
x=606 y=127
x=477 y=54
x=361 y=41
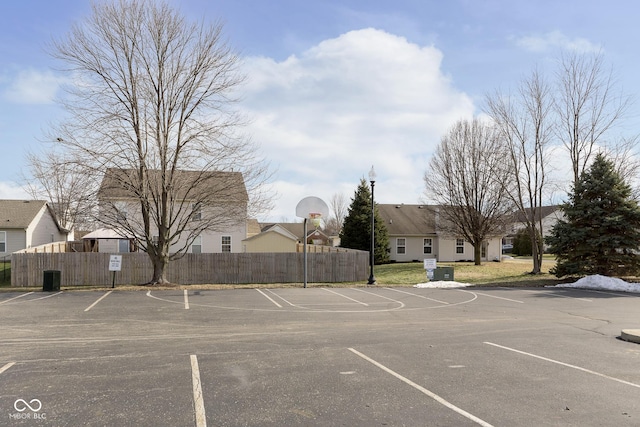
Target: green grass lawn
x=508 y=272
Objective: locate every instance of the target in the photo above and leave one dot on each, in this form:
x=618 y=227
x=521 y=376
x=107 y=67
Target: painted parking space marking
x=186 y=300
x=7 y=366
x=282 y=298
x=418 y=387
x=14 y=298
x=568 y=365
x=198 y=401
x=269 y=298
x=97 y=301
x=344 y=296
x=400 y=303
x=502 y=298
x=417 y=295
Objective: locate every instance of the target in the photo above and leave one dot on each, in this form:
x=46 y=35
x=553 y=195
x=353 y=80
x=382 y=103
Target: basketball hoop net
x=316 y=219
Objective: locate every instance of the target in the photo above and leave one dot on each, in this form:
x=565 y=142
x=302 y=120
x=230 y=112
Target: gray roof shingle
x=19 y=214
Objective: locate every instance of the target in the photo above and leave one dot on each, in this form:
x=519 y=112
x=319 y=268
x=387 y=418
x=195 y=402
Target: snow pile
x=603 y=283
x=596 y=282
x=442 y=284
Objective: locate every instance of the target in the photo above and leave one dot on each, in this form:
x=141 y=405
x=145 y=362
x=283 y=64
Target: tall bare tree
x=153 y=103
x=468 y=177
x=526 y=125
x=339 y=210
x=588 y=107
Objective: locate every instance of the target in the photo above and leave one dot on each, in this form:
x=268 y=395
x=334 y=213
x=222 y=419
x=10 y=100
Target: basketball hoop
x=310 y=208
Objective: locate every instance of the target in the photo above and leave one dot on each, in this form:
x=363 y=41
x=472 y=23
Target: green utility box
x=443 y=273
x=51 y=280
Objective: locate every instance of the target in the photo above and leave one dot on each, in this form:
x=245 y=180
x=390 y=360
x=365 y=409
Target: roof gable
x=19 y=214
x=275 y=228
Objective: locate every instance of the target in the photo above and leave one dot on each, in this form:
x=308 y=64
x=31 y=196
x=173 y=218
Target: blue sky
x=335 y=86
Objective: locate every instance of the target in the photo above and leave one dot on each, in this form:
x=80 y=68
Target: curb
x=632 y=335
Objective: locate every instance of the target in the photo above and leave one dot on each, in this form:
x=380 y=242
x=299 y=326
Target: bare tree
x=526 y=126
x=64 y=184
x=339 y=209
x=588 y=107
x=468 y=177
x=152 y=108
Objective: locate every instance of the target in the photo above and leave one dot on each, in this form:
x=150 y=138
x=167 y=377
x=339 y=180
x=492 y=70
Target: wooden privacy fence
x=92 y=269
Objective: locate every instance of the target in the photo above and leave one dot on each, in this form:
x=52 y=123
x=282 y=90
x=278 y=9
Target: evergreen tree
x=600 y=233
x=356 y=230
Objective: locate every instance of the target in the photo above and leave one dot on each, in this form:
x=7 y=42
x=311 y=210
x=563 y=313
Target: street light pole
x=372 y=179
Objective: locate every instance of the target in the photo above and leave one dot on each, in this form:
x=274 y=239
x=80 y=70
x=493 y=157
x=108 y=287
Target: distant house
x=284 y=237
x=273 y=238
x=225 y=204
x=416 y=232
x=27 y=223
x=549 y=215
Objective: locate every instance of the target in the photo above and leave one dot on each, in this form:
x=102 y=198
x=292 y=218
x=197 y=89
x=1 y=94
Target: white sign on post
x=430 y=264
x=115 y=262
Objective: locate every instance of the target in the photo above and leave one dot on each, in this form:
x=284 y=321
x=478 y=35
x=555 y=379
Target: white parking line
x=186 y=300
x=506 y=299
x=419 y=296
x=564 y=364
x=198 y=401
x=97 y=301
x=423 y=390
x=269 y=298
x=19 y=296
x=7 y=366
x=344 y=296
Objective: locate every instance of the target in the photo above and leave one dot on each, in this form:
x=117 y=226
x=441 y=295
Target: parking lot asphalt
x=372 y=356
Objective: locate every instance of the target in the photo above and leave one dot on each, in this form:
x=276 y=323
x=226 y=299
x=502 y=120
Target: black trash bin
x=51 y=280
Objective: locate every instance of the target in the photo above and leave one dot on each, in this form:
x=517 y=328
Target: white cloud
x=556 y=39
x=33 y=87
x=11 y=191
x=366 y=97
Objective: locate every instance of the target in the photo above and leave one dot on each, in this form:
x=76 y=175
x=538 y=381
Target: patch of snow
x=442 y=284
x=603 y=283
x=596 y=282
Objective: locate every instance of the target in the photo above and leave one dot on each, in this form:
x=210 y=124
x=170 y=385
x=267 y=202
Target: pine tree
x=600 y=233
x=356 y=230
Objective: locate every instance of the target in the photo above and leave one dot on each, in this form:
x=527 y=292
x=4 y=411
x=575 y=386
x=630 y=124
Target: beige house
x=415 y=233
x=274 y=238
x=27 y=223
x=284 y=237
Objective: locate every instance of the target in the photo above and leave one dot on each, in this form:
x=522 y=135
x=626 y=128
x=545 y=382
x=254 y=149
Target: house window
x=196 y=212
x=196 y=246
x=459 y=246
x=3 y=241
x=226 y=243
x=123 y=245
x=427 y=244
x=401 y=246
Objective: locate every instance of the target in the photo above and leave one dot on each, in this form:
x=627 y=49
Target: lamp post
x=372 y=179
